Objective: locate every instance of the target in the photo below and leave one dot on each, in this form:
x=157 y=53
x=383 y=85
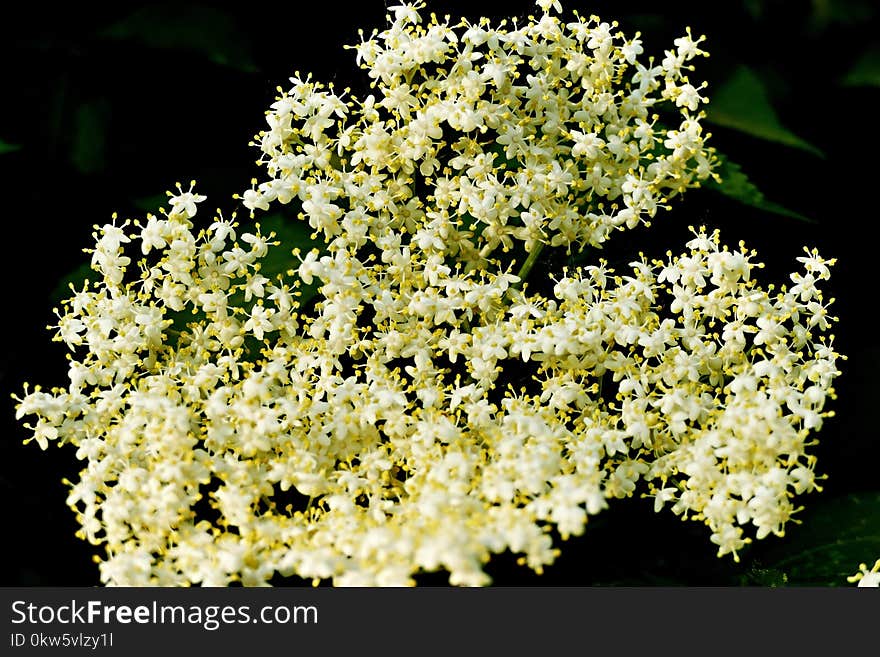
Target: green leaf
x=742 y=104
x=181 y=321
x=88 y=148
x=835 y=536
x=206 y=31
x=767 y=577
x=866 y=71
x=8 y=148
x=292 y=234
x=736 y=185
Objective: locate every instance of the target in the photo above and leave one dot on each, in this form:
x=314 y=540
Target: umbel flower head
x=424 y=409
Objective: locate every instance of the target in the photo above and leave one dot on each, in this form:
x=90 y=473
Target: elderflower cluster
x=426 y=409
x=483 y=137
x=867 y=578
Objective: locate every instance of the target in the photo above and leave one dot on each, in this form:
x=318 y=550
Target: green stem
x=523 y=272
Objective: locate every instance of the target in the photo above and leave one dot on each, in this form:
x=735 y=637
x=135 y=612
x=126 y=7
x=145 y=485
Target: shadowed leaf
x=835 y=536
x=736 y=185
x=742 y=104
x=767 y=577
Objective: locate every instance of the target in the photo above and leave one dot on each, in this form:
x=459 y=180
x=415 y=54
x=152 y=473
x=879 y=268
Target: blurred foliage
x=209 y=32
x=866 y=71
x=151 y=204
x=112 y=105
x=829 y=13
x=8 y=148
x=88 y=144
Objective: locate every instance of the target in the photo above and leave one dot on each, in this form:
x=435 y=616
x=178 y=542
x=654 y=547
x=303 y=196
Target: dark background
x=110 y=107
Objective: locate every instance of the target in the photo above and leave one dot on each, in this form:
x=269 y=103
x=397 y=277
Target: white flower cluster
x=867 y=578
x=427 y=409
